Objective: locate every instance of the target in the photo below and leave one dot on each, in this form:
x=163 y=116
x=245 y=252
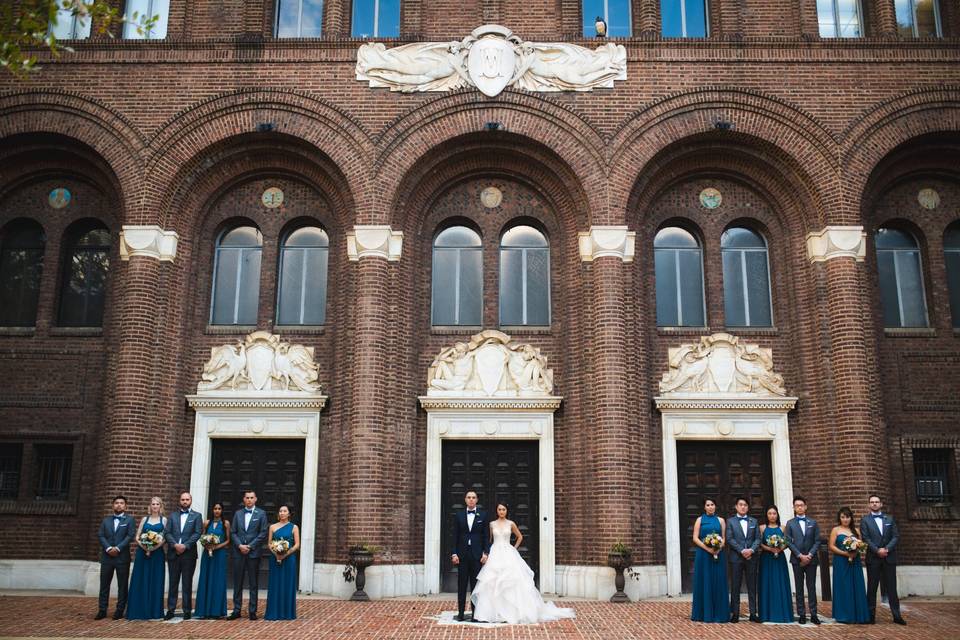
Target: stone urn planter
x=361 y=557
x=619 y=560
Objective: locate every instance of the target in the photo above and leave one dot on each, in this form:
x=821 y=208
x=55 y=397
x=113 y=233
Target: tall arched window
x=302 y=293
x=83 y=287
x=524 y=277
x=236 y=277
x=951 y=255
x=901 y=279
x=21 y=263
x=746 y=279
x=678 y=261
x=457 y=277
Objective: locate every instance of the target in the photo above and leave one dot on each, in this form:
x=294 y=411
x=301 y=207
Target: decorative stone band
x=607 y=240
x=374 y=240
x=837 y=242
x=267 y=402
x=549 y=403
x=739 y=404
x=148 y=240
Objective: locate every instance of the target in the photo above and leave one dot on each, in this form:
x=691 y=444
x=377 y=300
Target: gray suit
x=181 y=566
x=878 y=568
x=119 y=536
x=741 y=566
x=254 y=535
x=804 y=543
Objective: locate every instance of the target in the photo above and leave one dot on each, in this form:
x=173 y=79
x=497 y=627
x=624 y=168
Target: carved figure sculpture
x=568 y=67
x=452 y=368
x=720 y=363
x=295 y=362
x=491 y=364
x=227 y=364
x=529 y=370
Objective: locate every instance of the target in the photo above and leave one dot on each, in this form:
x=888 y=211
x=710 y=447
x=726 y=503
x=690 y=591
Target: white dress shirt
x=183 y=523
x=116 y=521
x=878 y=519
x=743 y=525
x=803 y=526
x=246 y=519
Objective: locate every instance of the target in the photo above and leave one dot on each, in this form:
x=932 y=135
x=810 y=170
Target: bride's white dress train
x=505 y=591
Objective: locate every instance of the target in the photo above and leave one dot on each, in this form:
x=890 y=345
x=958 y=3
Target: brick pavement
x=62 y=617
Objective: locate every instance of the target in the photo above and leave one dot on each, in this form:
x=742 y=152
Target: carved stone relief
x=260 y=363
x=720 y=363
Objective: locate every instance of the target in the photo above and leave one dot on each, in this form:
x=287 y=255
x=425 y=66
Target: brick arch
x=184 y=142
x=574 y=146
x=793 y=141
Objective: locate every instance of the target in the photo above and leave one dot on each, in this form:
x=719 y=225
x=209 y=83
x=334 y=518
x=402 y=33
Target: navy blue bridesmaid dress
x=710 y=600
x=212 y=590
x=776 y=603
x=145 y=601
x=282 y=587
x=849 y=590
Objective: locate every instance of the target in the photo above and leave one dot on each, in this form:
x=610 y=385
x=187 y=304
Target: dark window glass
x=299 y=18
x=303 y=277
x=236 y=277
x=524 y=277
x=918 y=18
x=901 y=279
x=931 y=472
x=86 y=260
x=678 y=264
x=457 y=282
x=21 y=264
x=683 y=18
x=54 y=462
x=746 y=279
x=11 y=459
x=376 y=19
x=616 y=13
x=951 y=254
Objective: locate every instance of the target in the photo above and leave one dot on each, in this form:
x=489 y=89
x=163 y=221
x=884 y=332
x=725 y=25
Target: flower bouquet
x=150 y=540
x=777 y=542
x=209 y=541
x=714 y=541
x=279 y=546
x=851 y=543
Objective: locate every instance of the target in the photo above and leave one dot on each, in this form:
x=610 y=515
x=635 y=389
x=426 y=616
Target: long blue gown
x=849 y=590
x=776 y=603
x=282 y=587
x=212 y=590
x=146 y=584
x=710 y=600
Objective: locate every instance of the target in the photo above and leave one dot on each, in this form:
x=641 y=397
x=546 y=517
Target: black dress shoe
x=735 y=618
x=802 y=620
x=755 y=618
x=100 y=615
x=814 y=619
x=459 y=617
x=234 y=615
x=900 y=621
x=117 y=614
x=253 y=616
x=168 y=615
x=187 y=615
x=872 y=620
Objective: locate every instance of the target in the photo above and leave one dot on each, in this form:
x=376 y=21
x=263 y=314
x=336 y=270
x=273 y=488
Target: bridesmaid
x=212 y=591
x=282 y=587
x=776 y=604
x=849 y=590
x=146 y=585
x=710 y=600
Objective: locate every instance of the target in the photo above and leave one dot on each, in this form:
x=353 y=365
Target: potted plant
x=619 y=559
x=361 y=557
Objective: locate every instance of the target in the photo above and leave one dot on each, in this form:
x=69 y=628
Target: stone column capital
x=374 y=240
x=607 y=240
x=149 y=241
x=837 y=242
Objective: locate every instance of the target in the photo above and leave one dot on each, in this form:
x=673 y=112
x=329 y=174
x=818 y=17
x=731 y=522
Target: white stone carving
x=148 y=240
x=608 y=240
x=260 y=363
x=720 y=363
x=491 y=58
x=837 y=242
x=490 y=365
x=375 y=240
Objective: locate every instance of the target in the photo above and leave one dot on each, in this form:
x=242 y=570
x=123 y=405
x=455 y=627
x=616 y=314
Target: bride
x=505 y=591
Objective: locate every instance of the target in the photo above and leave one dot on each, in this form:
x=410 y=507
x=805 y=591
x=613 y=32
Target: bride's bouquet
x=150 y=540
x=851 y=543
x=279 y=546
x=209 y=541
x=714 y=541
x=777 y=542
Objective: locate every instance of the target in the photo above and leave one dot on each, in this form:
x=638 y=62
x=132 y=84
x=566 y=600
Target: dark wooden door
x=498 y=471
x=724 y=472
x=272 y=468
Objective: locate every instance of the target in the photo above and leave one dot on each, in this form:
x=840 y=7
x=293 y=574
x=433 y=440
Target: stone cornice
x=780 y=403
x=260 y=402
x=149 y=241
x=374 y=240
x=837 y=242
x=439 y=403
x=607 y=240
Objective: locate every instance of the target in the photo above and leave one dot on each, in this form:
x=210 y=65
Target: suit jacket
x=737 y=541
x=801 y=543
x=192 y=530
x=255 y=535
x=475 y=541
x=870 y=534
x=119 y=538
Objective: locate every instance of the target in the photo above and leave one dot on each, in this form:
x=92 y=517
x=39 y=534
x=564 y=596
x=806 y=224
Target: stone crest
x=711 y=198
x=491 y=365
x=260 y=363
x=720 y=363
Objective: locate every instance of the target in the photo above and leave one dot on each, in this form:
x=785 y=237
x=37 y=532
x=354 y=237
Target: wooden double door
x=724 y=472
x=505 y=470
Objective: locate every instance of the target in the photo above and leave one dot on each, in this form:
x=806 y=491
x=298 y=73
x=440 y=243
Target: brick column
x=647 y=16
x=885 y=19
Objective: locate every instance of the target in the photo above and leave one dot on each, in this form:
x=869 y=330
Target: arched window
x=83 y=287
x=901 y=279
x=21 y=263
x=524 y=277
x=918 y=18
x=236 y=277
x=70 y=25
x=299 y=18
x=615 y=13
x=678 y=261
x=951 y=255
x=375 y=19
x=457 y=277
x=684 y=19
x=146 y=19
x=839 y=18
x=302 y=293
x=746 y=279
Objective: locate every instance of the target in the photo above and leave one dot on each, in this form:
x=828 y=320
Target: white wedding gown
x=505 y=591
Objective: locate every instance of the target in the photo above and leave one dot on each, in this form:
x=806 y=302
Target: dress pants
x=467 y=572
x=887 y=573
x=181 y=566
x=808 y=575
x=738 y=570
x=244 y=564
x=107 y=567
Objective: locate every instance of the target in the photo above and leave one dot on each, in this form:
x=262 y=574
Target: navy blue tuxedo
x=180 y=566
x=255 y=536
x=119 y=535
x=469 y=545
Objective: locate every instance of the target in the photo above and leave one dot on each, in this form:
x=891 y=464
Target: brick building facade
x=800 y=134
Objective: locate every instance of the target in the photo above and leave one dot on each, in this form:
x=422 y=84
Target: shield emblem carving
x=259 y=365
x=491 y=63
x=722 y=367
x=490 y=363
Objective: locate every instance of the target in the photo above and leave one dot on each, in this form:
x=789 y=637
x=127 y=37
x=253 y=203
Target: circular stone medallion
x=491 y=197
x=59 y=198
x=928 y=198
x=710 y=198
x=272 y=198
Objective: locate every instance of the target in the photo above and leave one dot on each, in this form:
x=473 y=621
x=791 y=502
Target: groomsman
x=803 y=538
x=115 y=534
x=248 y=533
x=880 y=533
x=182 y=532
x=743 y=538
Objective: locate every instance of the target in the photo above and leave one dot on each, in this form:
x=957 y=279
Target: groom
x=471 y=544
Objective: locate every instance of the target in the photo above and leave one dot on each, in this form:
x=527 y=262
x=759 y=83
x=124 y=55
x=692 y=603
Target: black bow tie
x=802 y=518
x=117 y=517
x=183 y=513
x=249 y=510
x=878 y=515
x=742 y=517
x=474 y=512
